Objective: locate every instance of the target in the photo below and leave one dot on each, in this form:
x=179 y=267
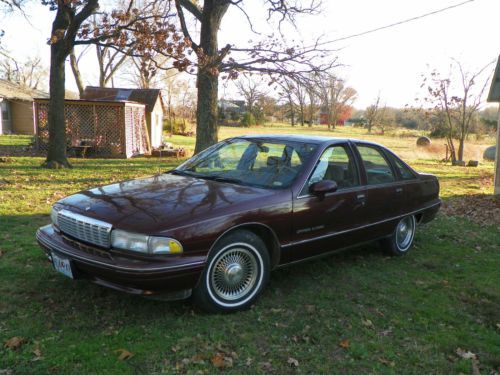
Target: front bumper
x=174 y=277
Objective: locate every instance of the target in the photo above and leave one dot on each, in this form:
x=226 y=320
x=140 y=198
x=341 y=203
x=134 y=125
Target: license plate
x=62 y=265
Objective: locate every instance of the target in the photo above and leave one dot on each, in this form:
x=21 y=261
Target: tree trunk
x=56 y=155
x=461 y=150
x=76 y=73
x=207 y=82
x=206 y=113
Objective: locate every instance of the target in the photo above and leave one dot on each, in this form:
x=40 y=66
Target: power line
x=395 y=23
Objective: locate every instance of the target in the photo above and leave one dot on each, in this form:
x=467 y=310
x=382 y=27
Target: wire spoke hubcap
x=234 y=274
x=404 y=233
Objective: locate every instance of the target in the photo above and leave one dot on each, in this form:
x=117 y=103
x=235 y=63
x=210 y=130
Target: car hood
x=162 y=202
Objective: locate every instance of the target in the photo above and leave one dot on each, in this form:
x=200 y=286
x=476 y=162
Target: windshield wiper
x=217 y=178
x=227 y=179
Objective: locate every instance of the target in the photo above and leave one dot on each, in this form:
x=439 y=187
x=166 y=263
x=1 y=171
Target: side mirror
x=320 y=188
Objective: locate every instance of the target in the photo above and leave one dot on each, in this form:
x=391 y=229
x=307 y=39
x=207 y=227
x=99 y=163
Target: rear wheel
x=237 y=271
x=402 y=239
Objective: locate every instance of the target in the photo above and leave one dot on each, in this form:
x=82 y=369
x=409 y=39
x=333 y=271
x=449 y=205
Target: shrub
x=248 y=119
x=175 y=126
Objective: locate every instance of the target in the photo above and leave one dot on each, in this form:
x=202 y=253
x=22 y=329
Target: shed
x=16 y=103
x=151 y=98
x=107 y=129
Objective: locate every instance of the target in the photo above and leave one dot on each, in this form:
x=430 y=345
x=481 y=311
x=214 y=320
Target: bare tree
x=30 y=73
x=456 y=98
x=372 y=114
x=300 y=92
x=287 y=95
x=269 y=56
x=250 y=87
x=312 y=95
x=334 y=96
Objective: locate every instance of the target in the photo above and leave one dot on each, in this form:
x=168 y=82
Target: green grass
x=405 y=315
x=15 y=140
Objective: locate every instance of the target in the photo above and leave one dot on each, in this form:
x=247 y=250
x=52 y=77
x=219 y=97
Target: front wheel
x=402 y=239
x=237 y=271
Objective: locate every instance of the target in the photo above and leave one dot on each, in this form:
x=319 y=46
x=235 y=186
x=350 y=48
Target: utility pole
x=494 y=96
x=497 y=157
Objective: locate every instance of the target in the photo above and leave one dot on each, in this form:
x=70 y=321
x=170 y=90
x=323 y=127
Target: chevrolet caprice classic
x=215 y=227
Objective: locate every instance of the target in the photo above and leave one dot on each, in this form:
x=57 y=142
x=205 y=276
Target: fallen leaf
x=475 y=368
x=198 y=359
x=386 y=362
x=465 y=354
x=249 y=361
x=266 y=366
x=367 y=322
x=37 y=352
x=221 y=361
x=293 y=362
x=310 y=308
x=344 y=344
x=386 y=332
x=14 y=342
x=124 y=354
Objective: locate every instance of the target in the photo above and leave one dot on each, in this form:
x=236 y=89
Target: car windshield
x=262 y=163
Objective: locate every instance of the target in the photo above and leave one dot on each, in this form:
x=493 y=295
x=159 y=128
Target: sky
x=389 y=62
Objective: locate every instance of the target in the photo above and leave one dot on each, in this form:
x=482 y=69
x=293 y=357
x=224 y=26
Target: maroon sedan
x=217 y=225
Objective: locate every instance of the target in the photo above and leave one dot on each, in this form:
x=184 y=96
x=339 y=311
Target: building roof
x=13 y=91
x=144 y=96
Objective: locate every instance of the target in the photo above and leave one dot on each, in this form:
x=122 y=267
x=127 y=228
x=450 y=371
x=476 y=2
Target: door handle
x=361 y=198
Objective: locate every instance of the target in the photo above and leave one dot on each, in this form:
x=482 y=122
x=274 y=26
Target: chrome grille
x=84 y=228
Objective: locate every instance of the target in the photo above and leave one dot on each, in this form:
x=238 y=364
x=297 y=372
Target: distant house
x=16 y=103
x=150 y=97
x=232 y=105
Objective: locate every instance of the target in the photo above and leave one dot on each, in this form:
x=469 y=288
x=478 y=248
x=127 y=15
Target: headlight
x=144 y=244
x=53 y=214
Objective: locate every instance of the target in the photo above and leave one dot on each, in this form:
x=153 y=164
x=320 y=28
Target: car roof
x=317 y=139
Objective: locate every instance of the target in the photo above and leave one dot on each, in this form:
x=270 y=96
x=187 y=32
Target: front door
x=325 y=223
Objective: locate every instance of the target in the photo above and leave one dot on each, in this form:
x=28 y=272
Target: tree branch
x=182 y=20
x=191 y=8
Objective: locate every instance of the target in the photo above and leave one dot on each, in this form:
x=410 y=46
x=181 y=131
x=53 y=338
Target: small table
x=81 y=150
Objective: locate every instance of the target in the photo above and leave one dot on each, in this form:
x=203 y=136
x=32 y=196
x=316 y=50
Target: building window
x=5 y=110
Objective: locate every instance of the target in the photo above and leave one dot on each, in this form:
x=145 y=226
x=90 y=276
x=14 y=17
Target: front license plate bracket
x=62 y=265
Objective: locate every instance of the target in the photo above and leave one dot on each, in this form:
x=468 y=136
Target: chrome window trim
x=349 y=151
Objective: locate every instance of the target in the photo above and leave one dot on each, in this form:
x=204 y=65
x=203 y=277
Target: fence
x=104 y=129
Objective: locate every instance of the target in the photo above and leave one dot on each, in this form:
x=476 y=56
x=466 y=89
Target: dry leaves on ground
x=293 y=362
x=344 y=344
x=124 y=354
x=220 y=360
x=480 y=209
x=14 y=342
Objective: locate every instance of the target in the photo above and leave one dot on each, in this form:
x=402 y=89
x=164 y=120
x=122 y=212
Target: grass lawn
x=354 y=312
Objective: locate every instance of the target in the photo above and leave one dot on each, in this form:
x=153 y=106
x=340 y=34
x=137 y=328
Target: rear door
x=384 y=197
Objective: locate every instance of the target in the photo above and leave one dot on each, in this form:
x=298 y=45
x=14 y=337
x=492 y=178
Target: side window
x=378 y=170
x=404 y=171
x=336 y=164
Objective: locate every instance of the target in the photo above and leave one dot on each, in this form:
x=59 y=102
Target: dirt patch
x=8 y=150
x=481 y=209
